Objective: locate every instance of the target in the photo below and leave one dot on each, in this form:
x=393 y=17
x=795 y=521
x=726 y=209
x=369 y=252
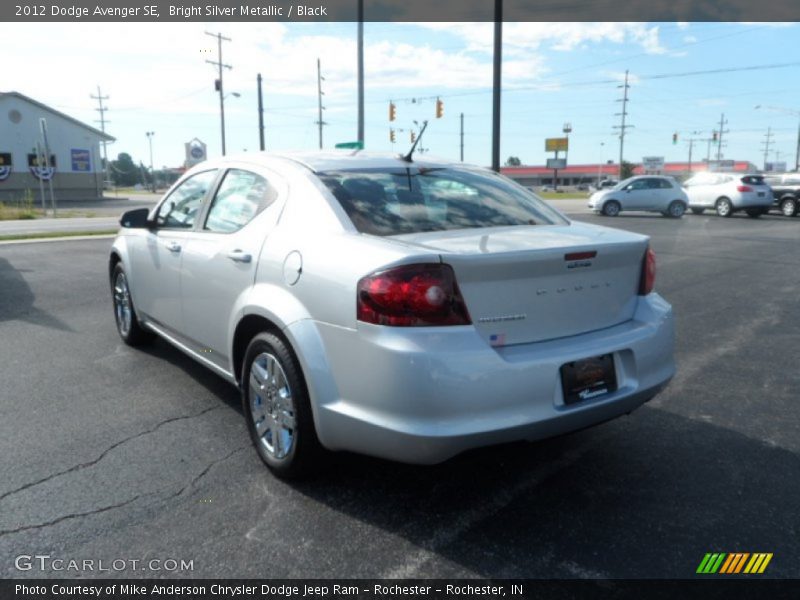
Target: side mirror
x=135 y=219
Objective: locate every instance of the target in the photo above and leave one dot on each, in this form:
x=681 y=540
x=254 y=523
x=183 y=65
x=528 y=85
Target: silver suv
x=727 y=193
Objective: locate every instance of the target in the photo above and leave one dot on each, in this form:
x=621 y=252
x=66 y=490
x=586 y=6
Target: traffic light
x=674 y=138
x=392 y=111
x=392 y=136
x=439 y=108
x=714 y=137
x=413 y=137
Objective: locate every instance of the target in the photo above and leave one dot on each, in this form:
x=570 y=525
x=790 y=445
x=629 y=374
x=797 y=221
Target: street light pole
x=600 y=164
x=150 y=135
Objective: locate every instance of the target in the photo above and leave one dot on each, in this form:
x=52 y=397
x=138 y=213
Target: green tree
x=124 y=171
x=513 y=161
x=627 y=169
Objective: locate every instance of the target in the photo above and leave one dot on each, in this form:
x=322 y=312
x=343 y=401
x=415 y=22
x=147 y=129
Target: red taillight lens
x=412 y=296
x=743 y=188
x=648 y=279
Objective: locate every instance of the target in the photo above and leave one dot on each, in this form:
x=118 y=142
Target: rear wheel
x=788 y=207
x=724 y=207
x=611 y=208
x=698 y=211
x=128 y=326
x=754 y=213
x=277 y=408
x=676 y=209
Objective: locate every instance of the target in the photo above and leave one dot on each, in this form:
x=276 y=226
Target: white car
x=728 y=193
x=405 y=309
x=652 y=193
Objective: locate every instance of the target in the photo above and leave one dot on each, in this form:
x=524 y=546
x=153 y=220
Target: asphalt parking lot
x=119 y=454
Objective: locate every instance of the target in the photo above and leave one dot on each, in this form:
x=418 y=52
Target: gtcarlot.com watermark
x=48 y=563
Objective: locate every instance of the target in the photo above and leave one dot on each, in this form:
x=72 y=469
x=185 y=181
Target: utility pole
x=691 y=141
x=462 y=137
x=320 y=94
x=722 y=130
x=622 y=126
x=260 y=115
x=360 y=72
x=102 y=120
x=150 y=135
x=767 y=143
x=496 y=78
x=218 y=84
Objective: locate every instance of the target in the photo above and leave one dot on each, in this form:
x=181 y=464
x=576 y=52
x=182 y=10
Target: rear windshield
x=416 y=199
x=753 y=179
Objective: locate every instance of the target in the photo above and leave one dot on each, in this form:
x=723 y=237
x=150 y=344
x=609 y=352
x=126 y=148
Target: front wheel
x=611 y=208
x=788 y=207
x=128 y=326
x=277 y=409
x=724 y=207
x=676 y=209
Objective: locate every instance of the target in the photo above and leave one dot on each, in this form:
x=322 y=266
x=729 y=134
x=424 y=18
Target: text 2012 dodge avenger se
x=406 y=309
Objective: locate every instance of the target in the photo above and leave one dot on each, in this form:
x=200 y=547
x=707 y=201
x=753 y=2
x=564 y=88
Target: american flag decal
x=497 y=339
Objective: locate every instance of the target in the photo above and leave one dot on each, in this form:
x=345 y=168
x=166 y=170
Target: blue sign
x=81 y=161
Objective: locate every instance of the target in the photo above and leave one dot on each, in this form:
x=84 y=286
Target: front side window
x=241 y=196
x=179 y=210
x=397 y=201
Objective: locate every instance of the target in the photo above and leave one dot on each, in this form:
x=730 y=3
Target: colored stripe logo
x=734 y=563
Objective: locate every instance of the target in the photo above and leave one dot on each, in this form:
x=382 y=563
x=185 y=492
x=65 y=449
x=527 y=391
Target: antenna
x=407 y=157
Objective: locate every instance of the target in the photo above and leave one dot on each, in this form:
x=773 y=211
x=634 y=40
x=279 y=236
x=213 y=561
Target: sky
x=157 y=79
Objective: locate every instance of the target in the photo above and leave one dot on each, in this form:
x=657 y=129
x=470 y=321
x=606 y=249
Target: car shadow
x=17 y=300
x=643 y=497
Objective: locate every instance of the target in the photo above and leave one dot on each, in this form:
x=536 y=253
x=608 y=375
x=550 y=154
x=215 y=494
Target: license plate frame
x=588 y=378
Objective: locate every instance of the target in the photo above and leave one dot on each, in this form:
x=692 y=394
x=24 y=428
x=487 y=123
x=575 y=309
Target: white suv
x=727 y=193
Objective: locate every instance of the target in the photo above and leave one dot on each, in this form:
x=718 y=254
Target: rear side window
x=753 y=179
x=241 y=196
x=416 y=199
x=665 y=184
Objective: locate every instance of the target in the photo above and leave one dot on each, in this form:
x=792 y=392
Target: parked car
x=651 y=193
x=785 y=192
x=406 y=310
x=728 y=193
x=606 y=184
x=582 y=187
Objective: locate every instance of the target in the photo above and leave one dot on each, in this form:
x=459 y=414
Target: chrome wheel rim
x=122 y=304
x=612 y=209
x=272 y=406
x=723 y=208
x=788 y=209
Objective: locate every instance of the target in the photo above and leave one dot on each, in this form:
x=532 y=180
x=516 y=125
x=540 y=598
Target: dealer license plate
x=588 y=378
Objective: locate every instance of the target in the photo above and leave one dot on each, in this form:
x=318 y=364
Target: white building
x=75 y=165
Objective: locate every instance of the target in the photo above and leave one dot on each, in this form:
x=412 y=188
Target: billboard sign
x=556 y=144
x=653 y=163
x=556 y=163
x=195 y=152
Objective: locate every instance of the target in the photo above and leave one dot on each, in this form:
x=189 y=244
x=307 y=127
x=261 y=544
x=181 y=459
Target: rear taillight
x=412 y=296
x=648 y=278
x=743 y=188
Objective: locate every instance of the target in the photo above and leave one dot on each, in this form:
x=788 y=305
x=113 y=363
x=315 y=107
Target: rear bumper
x=753 y=201
x=423 y=395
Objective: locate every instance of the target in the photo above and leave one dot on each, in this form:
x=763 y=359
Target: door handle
x=239 y=256
x=174 y=247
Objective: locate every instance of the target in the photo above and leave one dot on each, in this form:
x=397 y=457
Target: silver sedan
x=406 y=309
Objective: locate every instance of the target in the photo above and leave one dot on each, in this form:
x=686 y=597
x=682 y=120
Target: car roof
x=334 y=160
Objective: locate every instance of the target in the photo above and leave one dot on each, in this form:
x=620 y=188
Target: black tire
x=611 y=208
x=724 y=207
x=128 y=326
x=282 y=416
x=698 y=211
x=788 y=207
x=754 y=213
x=675 y=209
